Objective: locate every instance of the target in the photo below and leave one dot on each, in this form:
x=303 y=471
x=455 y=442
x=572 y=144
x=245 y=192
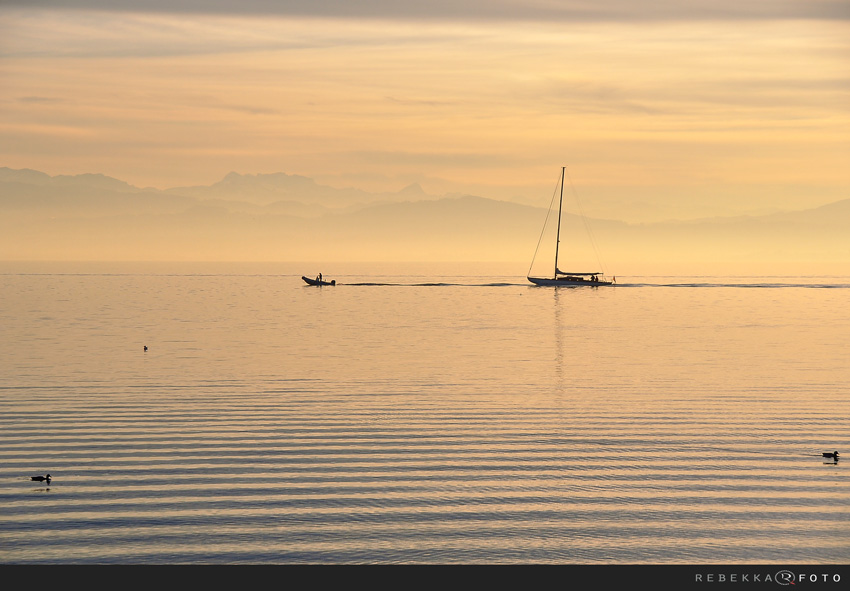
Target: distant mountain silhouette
x=264 y=189
x=87 y=181
x=291 y=217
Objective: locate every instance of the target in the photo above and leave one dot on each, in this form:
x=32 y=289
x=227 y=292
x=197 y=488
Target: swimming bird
x=834 y=454
x=146 y=347
x=42 y=478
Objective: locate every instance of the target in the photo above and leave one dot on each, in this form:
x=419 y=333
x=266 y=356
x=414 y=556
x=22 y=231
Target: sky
x=660 y=110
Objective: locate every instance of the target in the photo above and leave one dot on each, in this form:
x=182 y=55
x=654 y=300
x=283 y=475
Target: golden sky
x=707 y=110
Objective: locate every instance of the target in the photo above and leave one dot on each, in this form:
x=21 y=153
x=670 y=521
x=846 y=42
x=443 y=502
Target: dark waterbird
x=827 y=454
x=42 y=478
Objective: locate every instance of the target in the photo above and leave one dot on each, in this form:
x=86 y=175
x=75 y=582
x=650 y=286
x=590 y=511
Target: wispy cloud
x=478 y=10
x=420 y=102
x=69 y=33
x=178 y=96
x=36 y=100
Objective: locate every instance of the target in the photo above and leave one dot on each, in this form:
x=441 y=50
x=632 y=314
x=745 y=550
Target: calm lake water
x=420 y=414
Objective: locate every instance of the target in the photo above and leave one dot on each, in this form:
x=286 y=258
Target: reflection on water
x=458 y=418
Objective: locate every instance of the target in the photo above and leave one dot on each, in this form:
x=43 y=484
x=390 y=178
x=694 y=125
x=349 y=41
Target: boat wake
x=432 y=284
x=758 y=285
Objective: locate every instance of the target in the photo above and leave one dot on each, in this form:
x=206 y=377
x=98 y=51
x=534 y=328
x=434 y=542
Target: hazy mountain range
x=292 y=218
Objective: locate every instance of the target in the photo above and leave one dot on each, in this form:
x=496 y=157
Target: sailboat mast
x=560 y=204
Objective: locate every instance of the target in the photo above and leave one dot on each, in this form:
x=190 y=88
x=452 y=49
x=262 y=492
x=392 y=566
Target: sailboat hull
x=567 y=282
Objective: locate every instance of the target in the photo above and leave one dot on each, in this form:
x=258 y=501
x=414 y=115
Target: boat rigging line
x=584 y=221
x=545 y=223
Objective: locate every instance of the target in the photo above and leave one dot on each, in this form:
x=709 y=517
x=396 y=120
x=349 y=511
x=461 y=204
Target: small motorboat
x=318 y=281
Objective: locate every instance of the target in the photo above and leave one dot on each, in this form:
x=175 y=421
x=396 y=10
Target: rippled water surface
x=420 y=414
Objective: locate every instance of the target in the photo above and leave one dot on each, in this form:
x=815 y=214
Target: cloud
x=36 y=100
x=489 y=107
x=433 y=160
x=249 y=110
x=72 y=33
x=478 y=10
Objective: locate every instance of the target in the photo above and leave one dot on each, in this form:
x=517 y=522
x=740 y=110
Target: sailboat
x=562 y=278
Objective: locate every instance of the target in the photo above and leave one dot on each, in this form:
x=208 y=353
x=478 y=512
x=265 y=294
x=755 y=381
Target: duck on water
x=834 y=454
x=41 y=478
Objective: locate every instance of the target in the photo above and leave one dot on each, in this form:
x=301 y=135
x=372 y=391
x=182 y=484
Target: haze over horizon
x=281 y=217
x=661 y=111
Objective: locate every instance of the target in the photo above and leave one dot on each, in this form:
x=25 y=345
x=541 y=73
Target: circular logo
x=785 y=577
